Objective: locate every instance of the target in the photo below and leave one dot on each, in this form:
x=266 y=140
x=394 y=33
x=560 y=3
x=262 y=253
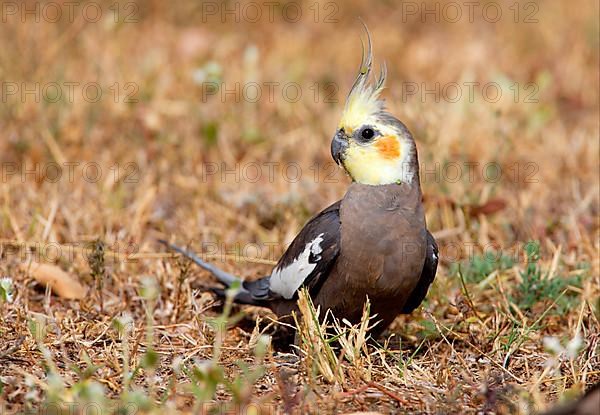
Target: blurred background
x=209 y=123
x=501 y=97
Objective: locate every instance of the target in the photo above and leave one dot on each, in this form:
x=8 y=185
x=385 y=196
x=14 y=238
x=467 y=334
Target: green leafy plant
x=480 y=266
x=539 y=287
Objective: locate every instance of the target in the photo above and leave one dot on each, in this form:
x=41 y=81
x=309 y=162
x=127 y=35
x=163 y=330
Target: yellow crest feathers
x=363 y=98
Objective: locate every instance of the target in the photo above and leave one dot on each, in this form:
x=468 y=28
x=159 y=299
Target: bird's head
x=372 y=145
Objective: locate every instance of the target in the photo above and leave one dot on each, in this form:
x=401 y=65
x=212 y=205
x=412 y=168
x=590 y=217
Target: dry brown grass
x=477 y=344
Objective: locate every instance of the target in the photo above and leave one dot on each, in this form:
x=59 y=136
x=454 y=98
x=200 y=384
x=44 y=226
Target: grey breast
x=383 y=242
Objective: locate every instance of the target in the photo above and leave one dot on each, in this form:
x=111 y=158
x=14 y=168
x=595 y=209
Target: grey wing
x=306 y=262
x=427 y=276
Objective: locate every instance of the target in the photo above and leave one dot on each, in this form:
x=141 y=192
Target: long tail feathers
x=224 y=277
x=243 y=296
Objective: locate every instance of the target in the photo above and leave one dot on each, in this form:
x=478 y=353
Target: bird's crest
x=363 y=99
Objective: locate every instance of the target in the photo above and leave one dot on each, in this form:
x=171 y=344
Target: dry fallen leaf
x=59 y=281
x=490 y=207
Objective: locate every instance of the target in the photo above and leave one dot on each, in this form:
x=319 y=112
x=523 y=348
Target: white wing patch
x=286 y=281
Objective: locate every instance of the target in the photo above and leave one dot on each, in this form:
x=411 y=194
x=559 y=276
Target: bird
x=373 y=243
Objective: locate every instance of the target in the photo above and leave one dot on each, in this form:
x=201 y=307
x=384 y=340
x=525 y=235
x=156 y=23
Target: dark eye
x=367 y=133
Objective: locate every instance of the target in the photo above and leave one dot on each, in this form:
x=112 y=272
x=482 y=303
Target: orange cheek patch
x=388 y=147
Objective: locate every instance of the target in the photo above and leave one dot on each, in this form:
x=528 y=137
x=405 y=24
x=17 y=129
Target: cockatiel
x=374 y=242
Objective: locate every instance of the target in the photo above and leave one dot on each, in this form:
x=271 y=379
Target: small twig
x=352 y=392
x=386 y=391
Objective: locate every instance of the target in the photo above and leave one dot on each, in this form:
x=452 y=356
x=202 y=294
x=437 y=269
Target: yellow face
x=373 y=150
x=373 y=147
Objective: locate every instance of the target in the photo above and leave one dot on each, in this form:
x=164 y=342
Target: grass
x=479 y=267
x=511 y=324
x=536 y=288
x=80 y=392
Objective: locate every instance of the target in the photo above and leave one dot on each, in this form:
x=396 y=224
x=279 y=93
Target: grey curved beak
x=339 y=144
